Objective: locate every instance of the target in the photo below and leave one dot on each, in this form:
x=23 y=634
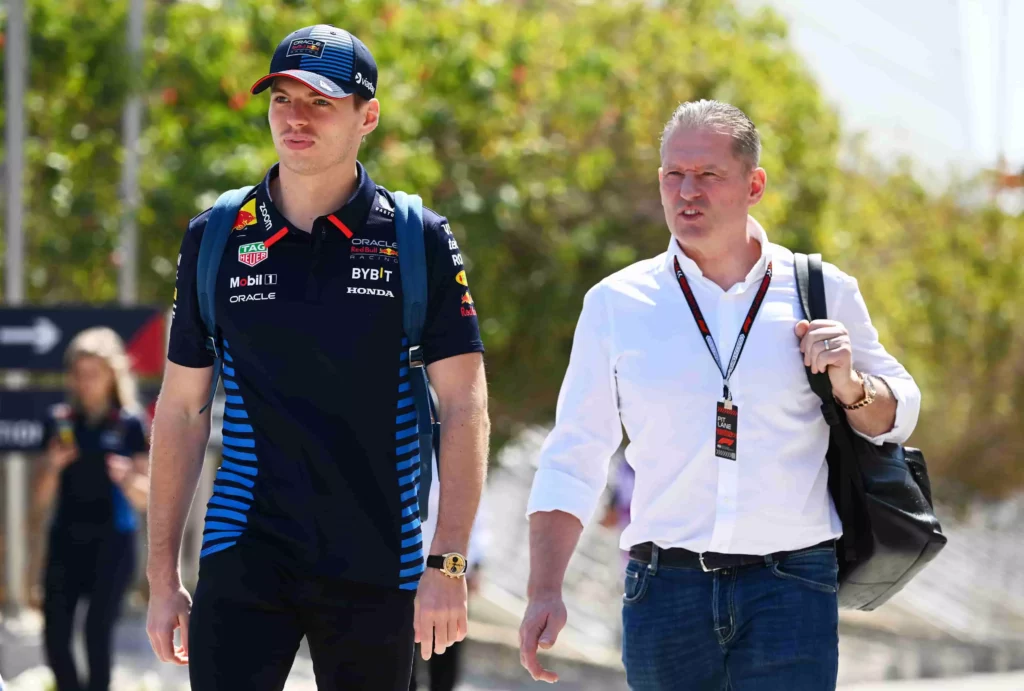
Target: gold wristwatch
x=452 y=564
x=869 y=393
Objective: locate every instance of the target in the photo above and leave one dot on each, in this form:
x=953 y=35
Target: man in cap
x=313 y=529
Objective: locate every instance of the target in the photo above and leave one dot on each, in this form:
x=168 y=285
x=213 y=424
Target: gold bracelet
x=869 y=394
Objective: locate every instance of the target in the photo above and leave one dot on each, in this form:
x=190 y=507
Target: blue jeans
x=756 y=628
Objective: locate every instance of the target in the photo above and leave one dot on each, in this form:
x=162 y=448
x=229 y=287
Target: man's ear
x=758 y=183
x=371 y=116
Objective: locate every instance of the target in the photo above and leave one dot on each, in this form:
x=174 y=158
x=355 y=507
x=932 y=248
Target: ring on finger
x=828 y=346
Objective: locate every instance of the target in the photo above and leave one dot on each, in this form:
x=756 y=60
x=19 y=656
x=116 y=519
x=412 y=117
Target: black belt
x=680 y=558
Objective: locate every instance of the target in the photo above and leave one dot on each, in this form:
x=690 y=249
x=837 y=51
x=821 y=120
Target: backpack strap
x=211 y=249
x=810 y=287
x=412 y=261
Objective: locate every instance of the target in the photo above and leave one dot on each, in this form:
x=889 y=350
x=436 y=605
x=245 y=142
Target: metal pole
x=15 y=527
x=15 y=466
x=131 y=129
x=14 y=77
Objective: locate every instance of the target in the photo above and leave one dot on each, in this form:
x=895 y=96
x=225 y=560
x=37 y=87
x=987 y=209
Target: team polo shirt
x=89 y=504
x=321 y=455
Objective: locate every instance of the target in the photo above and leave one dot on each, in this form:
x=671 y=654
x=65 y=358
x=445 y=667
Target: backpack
x=882 y=493
x=412 y=262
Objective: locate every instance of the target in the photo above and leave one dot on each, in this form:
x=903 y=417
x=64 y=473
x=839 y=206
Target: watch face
x=454 y=564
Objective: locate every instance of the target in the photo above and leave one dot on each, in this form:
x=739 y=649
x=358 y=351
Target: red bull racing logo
x=467 y=308
x=246 y=215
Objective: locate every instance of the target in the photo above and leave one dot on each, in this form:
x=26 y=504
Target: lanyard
x=741 y=340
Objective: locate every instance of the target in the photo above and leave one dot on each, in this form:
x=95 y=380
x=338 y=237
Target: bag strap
x=412 y=261
x=211 y=249
x=810 y=287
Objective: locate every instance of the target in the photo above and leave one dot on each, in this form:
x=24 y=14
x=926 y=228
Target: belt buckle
x=703 y=566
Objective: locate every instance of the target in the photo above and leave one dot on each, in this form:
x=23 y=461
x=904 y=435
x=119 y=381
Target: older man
x=699 y=354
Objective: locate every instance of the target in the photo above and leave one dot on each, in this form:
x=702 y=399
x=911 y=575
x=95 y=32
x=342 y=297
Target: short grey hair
x=720 y=117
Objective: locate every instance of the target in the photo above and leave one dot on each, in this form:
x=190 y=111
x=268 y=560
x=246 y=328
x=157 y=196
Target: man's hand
x=440 y=615
x=119 y=468
x=544 y=619
x=837 y=361
x=169 y=609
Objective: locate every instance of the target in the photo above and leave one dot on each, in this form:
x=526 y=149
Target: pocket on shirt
x=637 y=576
x=816 y=569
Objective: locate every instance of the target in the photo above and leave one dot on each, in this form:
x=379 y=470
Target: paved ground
x=127 y=680
x=492 y=665
x=980 y=682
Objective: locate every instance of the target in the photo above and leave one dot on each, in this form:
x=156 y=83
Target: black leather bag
x=882 y=493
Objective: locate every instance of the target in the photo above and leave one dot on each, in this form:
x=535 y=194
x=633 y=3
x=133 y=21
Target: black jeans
x=97 y=567
x=250 y=612
x=443 y=669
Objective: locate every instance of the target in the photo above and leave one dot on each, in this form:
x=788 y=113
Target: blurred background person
x=620 y=485
x=95 y=463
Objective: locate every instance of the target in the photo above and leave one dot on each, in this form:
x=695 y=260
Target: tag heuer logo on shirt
x=252 y=253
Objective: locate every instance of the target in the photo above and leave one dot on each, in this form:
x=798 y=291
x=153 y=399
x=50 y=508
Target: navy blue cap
x=328 y=60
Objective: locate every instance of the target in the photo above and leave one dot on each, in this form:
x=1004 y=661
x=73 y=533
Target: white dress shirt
x=638 y=362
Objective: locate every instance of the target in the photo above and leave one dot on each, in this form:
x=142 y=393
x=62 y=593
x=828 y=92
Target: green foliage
x=534 y=127
x=945 y=285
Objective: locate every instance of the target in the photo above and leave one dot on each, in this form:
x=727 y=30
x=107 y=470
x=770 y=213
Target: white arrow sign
x=42 y=336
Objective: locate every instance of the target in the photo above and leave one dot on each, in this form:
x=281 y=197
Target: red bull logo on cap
x=246 y=215
x=306 y=46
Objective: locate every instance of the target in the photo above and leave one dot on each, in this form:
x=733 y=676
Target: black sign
x=35 y=338
x=22 y=414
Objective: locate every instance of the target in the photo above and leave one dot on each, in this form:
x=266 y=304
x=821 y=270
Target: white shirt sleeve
x=573 y=466
x=869 y=356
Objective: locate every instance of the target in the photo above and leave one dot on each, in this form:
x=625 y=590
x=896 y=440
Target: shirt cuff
x=908 y=405
x=195 y=360
x=556 y=490
x=452 y=350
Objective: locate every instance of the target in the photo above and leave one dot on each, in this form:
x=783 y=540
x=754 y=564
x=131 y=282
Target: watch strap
x=453 y=564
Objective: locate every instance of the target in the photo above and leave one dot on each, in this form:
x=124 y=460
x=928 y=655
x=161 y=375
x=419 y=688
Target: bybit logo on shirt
x=372 y=274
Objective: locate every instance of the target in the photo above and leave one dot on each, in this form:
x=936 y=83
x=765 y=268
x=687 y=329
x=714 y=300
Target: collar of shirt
x=349 y=219
x=693 y=272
